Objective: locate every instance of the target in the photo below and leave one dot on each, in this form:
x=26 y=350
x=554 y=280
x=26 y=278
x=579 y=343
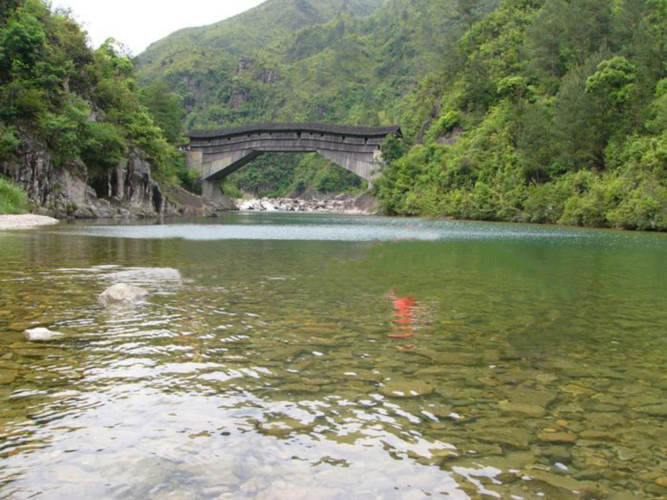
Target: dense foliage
x=304 y=60
x=12 y=199
x=83 y=105
x=537 y=110
x=252 y=30
x=552 y=111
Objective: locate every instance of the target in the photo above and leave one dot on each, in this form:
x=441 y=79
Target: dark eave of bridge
x=318 y=128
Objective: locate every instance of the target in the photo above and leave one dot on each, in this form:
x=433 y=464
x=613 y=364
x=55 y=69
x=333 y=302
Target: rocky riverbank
x=27 y=221
x=339 y=204
x=73 y=191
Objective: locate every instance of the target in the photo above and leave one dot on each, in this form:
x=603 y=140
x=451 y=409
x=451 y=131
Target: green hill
x=256 y=28
x=533 y=110
x=553 y=111
x=332 y=60
x=281 y=62
x=537 y=111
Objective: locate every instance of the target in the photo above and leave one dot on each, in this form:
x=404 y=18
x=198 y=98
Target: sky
x=138 y=23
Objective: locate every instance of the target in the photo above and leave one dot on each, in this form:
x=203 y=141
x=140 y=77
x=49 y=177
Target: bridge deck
x=312 y=127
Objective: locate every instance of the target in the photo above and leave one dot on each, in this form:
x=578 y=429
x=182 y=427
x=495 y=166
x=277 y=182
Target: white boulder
x=41 y=335
x=123 y=295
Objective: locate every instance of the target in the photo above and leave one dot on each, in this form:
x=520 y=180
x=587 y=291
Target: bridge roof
x=319 y=128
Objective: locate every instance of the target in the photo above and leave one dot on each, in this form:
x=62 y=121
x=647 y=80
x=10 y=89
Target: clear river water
x=285 y=356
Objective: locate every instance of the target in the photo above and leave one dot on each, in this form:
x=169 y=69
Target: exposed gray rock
x=245 y=63
x=122 y=295
x=341 y=204
x=69 y=191
x=41 y=335
x=270 y=76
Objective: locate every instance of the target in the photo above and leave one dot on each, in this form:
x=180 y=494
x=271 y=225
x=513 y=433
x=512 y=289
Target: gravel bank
x=25 y=221
x=341 y=204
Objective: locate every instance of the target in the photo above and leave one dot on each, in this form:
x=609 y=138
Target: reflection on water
x=287 y=357
x=404 y=316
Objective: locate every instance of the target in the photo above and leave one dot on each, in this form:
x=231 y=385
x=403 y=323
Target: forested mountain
x=531 y=110
x=541 y=111
x=353 y=69
x=350 y=69
x=552 y=111
x=258 y=27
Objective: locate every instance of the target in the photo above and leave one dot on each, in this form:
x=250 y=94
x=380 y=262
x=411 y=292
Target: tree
x=468 y=12
x=613 y=83
x=581 y=135
x=166 y=108
x=535 y=142
x=22 y=41
x=565 y=33
x=393 y=149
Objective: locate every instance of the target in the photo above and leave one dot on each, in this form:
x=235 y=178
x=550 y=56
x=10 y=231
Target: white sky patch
x=138 y=23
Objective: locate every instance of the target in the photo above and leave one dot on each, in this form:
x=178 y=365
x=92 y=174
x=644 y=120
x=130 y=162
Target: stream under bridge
x=215 y=154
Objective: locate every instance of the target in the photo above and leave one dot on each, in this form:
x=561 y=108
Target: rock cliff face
x=127 y=191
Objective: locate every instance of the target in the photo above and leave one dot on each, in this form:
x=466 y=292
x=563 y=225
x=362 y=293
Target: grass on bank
x=13 y=200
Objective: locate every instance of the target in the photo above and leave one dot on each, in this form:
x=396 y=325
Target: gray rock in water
x=123 y=295
x=41 y=335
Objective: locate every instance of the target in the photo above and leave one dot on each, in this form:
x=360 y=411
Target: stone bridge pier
x=215 y=154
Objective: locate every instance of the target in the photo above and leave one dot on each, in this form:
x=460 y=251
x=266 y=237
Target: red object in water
x=404 y=316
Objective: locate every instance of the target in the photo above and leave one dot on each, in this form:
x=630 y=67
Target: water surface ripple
x=320 y=357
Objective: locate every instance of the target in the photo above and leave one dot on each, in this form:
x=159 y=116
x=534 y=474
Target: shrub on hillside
x=12 y=199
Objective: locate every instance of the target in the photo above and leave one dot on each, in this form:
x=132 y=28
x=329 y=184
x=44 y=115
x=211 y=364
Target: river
x=287 y=356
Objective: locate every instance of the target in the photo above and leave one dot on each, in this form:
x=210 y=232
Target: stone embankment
x=340 y=204
x=27 y=221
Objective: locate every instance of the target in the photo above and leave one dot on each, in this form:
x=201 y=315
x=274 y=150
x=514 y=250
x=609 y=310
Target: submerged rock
x=654 y=410
x=510 y=436
x=557 y=437
x=300 y=388
x=407 y=389
x=522 y=409
x=524 y=396
x=122 y=295
x=566 y=486
x=453 y=358
x=41 y=335
x=7 y=375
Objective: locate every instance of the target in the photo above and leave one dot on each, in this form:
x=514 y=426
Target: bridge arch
x=215 y=154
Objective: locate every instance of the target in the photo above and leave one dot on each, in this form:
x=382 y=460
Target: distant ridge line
x=326 y=128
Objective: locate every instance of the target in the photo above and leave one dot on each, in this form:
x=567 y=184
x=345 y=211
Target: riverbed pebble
x=557 y=437
x=406 y=389
x=41 y=335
